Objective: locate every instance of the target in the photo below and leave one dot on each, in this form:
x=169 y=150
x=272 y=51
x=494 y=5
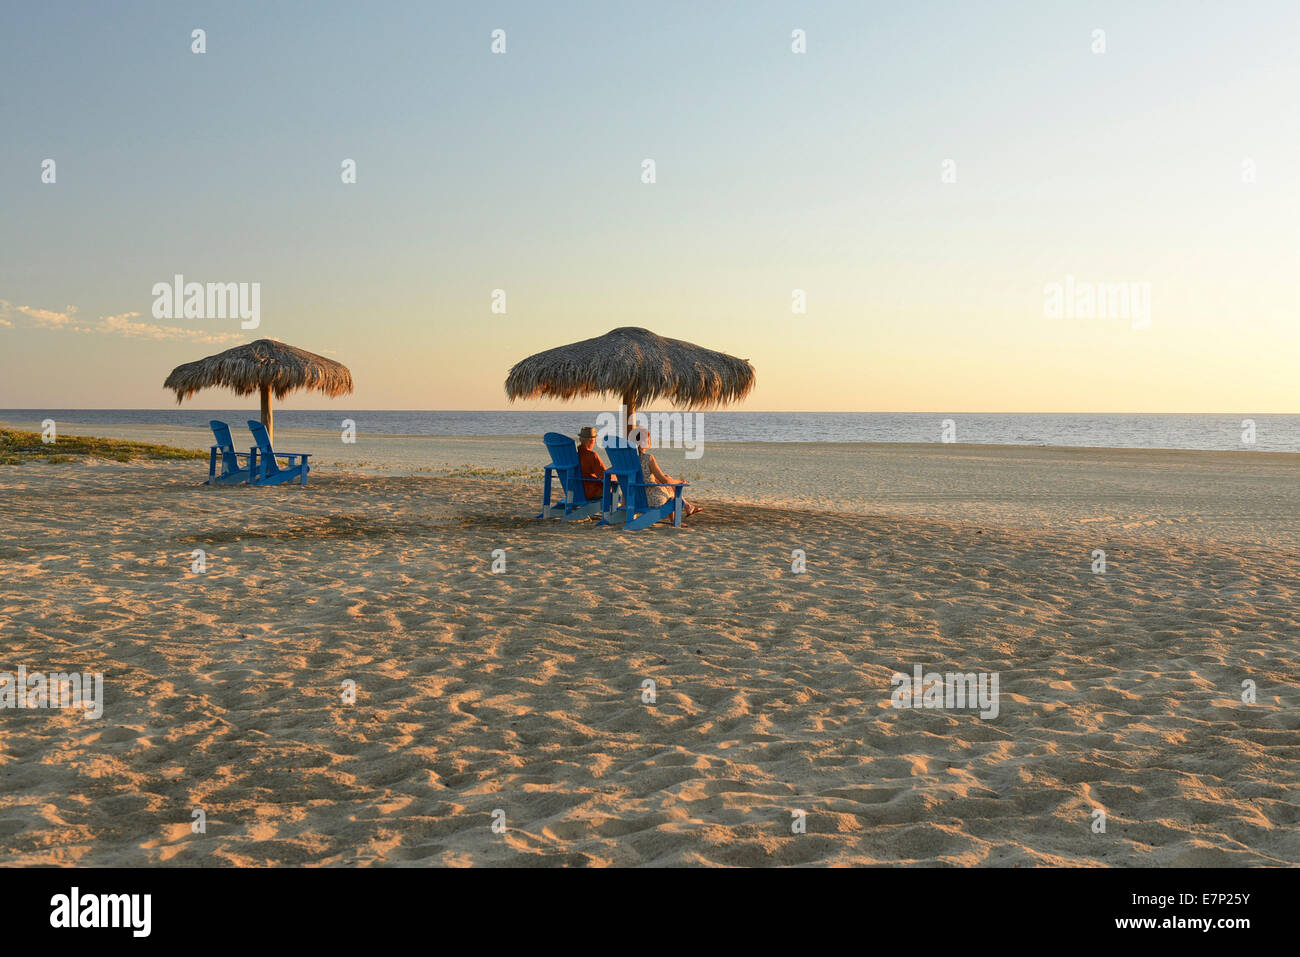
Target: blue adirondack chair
x=625 y=469
x=266 y=470
x=231 y=471
x=564 y=468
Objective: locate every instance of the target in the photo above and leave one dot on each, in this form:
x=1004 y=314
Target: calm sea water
x=1274 y=433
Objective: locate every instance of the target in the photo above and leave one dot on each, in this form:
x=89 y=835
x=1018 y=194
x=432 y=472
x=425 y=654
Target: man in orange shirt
x=589 y=463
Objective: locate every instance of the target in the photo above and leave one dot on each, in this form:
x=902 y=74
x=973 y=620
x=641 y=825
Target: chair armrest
x=237 y=455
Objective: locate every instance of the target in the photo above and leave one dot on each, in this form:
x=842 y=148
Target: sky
x=925 y=173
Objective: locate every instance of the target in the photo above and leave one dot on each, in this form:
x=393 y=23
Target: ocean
x=1270 y=433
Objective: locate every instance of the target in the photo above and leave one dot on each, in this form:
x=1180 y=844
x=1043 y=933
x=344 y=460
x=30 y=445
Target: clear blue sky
x=775 y=171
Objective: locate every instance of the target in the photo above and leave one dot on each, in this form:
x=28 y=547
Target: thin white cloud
x=39 y=317
x=124 y=324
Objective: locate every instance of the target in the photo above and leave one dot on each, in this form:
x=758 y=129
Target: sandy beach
x=518 y=697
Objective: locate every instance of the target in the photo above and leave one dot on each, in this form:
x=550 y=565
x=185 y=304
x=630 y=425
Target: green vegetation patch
x=472 y=471
x=17 y=447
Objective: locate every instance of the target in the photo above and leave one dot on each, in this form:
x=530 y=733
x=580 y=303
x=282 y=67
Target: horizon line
x=282 y=409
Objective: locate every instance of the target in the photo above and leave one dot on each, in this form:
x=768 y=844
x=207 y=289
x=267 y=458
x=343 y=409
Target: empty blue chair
x=625 y=470
x=232 y=473
x=564 y=468
x=266 y=470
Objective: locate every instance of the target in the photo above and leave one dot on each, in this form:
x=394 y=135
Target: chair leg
x=606 y=499
x=546 y=494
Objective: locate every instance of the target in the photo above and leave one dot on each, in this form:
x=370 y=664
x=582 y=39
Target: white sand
x=522 y=691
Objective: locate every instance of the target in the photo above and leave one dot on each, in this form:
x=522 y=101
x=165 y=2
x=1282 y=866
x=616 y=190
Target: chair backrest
x=226 y=444
x=563 y=449
x=564 y=456
x=621 y=456
x=625 y=459
x=263 y=445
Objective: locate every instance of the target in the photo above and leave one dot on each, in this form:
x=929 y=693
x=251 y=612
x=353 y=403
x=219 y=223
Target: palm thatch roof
x=635 y=364
x=264 y=363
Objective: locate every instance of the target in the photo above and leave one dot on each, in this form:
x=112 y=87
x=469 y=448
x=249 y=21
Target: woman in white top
x=655 y=496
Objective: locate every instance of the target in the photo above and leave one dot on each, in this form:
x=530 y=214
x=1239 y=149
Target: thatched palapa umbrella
x=264 y=366
x=637 y=366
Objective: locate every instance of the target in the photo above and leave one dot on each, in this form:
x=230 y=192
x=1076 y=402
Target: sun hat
x=587 y=432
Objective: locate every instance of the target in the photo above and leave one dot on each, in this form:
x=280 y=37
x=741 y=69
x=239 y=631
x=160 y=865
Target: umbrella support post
x=266 y=412
x=629 y=408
